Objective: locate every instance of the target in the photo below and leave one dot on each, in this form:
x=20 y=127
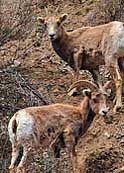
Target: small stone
x=107 y=135
x=3 y=52
x=122 y=168
x=17 y=63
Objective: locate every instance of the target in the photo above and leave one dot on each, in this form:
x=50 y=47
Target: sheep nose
x=51 y=36
x=104 y=112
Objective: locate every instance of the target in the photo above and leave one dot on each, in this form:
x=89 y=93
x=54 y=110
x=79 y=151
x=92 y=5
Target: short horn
x=84 y=83
x=46 y=11
x=57 y=10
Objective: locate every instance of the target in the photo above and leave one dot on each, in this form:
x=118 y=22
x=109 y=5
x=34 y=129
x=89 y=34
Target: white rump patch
x=117 y=33
x=24 y=125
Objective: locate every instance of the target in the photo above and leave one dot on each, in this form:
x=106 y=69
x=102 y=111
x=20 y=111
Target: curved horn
x=57 y=10
x=85 y=83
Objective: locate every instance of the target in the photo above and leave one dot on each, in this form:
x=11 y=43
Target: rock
x=107 y=135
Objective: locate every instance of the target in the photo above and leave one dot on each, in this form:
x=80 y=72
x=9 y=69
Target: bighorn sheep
x=55 y=125
x=88 y=47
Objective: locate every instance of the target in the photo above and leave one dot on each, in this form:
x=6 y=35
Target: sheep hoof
x=11 y=169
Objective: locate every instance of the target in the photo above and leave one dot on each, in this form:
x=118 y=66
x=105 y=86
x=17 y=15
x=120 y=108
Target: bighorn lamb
x=88 y=47
x=55 y=125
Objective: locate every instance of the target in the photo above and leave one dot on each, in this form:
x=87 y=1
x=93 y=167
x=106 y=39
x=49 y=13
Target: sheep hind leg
x=22 y=165
x=116 y=75
x=122 y=74
x=73 y=159
x=118 y=104
x=15 y=154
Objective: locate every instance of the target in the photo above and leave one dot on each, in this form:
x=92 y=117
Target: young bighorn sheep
x=88 y=47
x=55 y=125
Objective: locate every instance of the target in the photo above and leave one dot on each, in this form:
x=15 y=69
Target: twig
x=34 y=91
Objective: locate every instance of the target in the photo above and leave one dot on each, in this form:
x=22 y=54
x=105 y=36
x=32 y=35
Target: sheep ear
x=63 y=17
x=108 y=87
x=41 y=19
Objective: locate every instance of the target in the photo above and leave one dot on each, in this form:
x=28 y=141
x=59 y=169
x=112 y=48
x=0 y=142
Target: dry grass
x=16 y=19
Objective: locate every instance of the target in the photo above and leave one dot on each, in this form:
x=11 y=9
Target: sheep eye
x=58 y=23
x=94 y=100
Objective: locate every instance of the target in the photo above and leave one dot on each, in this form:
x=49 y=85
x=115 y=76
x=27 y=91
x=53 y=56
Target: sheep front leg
x=15 y=153
x=74 y=160
x=95 y=75
x=78 y=55
x=70 y=147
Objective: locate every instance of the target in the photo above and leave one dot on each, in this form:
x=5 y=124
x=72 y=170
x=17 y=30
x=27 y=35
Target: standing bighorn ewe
x=88 y=47
x=55 y=125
